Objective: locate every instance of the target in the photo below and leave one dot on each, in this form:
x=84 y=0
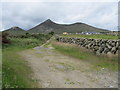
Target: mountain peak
x=15 y=27
x=48 y=20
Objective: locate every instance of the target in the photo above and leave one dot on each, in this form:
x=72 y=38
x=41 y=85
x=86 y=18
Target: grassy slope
x=92 y=36
x=16 y=72
x=83 y=54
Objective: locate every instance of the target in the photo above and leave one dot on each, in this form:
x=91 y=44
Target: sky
x=29 y=13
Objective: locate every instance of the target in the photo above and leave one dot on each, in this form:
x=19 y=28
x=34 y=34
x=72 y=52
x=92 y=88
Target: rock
x=113 y=49
x=113 y=44
x=109 y=53
x=89 y=45
x=117 y=45
x=103 y=45
x=116 y=52
x=97 y=53
x=102 y=68
x=96 y=47
x=100 y=49
x=86 y=46
x=109 y=46
x=106 y=50
x=60 y=67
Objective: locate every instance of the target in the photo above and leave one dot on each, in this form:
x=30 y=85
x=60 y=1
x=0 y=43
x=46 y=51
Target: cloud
x=28 y=14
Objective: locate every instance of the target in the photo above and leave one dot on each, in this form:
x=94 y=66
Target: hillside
x=48 y=26
x=15 y=31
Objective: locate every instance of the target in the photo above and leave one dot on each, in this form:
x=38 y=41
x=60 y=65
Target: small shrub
x=5 y=39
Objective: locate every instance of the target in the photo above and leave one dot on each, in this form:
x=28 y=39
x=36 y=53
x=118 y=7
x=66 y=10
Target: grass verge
x=16 y=72
x=98 y=62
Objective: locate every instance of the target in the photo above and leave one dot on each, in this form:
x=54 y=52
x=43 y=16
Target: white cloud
x=28 y=14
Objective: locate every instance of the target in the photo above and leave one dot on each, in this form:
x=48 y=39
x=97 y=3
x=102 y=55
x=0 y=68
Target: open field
x=92 y=36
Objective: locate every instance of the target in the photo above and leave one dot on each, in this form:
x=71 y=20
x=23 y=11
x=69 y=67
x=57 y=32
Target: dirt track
x=54 y=70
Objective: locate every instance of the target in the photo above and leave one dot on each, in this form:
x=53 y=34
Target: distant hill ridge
x=15 y=31
x=50 y=26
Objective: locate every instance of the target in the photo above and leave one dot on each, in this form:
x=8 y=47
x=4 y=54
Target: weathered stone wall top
x=99 y=46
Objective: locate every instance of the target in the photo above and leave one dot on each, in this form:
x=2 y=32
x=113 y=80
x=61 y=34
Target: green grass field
x=98 y=62
x=92 y=36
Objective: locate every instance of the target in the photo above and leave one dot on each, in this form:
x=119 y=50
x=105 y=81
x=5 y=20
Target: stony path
x=55 y=70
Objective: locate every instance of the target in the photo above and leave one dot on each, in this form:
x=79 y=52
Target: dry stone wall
x=98 y=46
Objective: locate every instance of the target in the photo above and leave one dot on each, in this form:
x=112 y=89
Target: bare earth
x=55 y=70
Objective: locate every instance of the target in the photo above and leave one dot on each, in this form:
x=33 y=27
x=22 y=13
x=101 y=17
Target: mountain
x=48 y=26
x=15 y=31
